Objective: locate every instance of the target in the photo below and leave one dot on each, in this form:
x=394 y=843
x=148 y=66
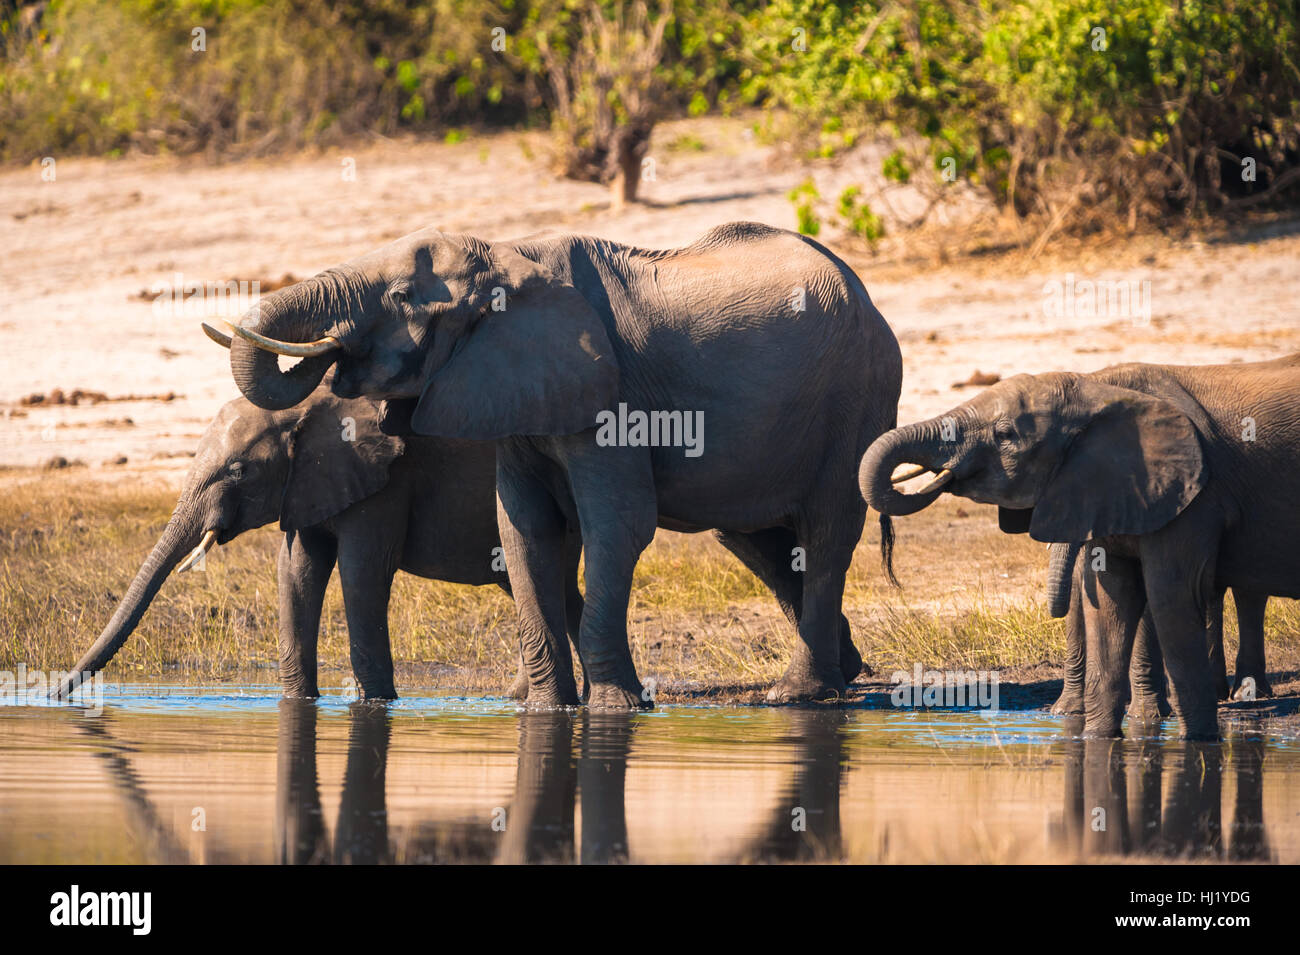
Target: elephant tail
x=887 y=549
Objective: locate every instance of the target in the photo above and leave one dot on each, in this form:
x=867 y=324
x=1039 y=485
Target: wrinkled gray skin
x=1148 y=461
x=765 y=332
x=1148 y=701
x=371 y=506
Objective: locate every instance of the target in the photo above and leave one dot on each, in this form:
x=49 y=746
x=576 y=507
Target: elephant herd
x=556 y=396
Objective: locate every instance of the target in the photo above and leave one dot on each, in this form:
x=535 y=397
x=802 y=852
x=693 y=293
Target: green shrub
x=1080 y=107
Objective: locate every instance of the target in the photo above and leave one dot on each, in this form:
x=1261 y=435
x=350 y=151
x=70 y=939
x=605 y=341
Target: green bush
x=1073 y=108
x=101 y=76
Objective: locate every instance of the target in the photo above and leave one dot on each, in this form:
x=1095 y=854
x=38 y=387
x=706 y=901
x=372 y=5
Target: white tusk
x=196 y=555
x=288 y=349
x=914 y=471
x=940 y=479
x=220 y=338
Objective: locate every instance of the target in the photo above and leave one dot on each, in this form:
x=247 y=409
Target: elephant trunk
x=181 y=535
x=912 y=444
x=294 y=316
x=1060 y=576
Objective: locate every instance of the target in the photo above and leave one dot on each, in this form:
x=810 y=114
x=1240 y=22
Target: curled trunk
x=179 y=537
x=1060 y=576
x=295 y=314
x=912 y=444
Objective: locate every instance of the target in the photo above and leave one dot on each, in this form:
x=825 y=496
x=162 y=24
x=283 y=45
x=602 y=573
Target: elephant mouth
x=942 y=477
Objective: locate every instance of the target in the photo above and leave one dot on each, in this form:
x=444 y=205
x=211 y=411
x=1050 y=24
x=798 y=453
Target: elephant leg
x=1178 y=590
x=532 y=531
x=613 y=488
x=769 y=555
x=1070 y=702
x=573 y=602
x=518 y=689
x=1250 y=650
x=303 y=572
x=366 y=569
x=1214 y=645
x=1112 y=609
x=814 y=672
x=1146 y=675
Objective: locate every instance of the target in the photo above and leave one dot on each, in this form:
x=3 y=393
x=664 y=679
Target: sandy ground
x=82 y=259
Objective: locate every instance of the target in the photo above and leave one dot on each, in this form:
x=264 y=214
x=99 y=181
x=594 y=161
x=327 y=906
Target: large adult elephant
x=344 y=494
x=732 y=385
x=1186 y=476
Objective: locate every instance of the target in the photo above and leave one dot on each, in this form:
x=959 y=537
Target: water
x=223 y=776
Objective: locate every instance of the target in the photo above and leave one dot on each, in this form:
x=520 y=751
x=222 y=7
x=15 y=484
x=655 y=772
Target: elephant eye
x=397 y=298
x=1003 y=431
x=236 y=471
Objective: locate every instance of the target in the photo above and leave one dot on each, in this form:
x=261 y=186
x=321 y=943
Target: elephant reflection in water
x=565 y=760
x=1115 y=803
x=549 y=777
x=361 y=835
x=805 y=824
x=539 y=823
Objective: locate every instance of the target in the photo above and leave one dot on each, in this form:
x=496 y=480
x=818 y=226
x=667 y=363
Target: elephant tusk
x=220 y=338
x=915 y=470
x=288 y=349
x=196 y=555
x=940 y=479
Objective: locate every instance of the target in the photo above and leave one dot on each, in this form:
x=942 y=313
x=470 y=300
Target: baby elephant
x=345 y=494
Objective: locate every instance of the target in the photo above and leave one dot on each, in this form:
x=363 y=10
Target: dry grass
x=699 y=621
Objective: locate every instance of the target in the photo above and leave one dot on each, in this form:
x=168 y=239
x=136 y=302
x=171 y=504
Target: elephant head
x=253 y=467
x=490 y=342
x=1065 y=457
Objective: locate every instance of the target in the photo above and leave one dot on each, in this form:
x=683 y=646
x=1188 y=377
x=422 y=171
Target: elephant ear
x=337 y=456
x=1131 y=470
x=536 y=361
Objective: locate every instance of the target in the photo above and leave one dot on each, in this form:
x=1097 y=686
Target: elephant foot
x=1106 y=730
x=1069 y=703
x=300 y=692
x=1106 y=724
x=1252 y=686
x=378 y=694
x=612 y=698
x=807 y=688
x=851 y=661
x=518 y=690
x=551 y=696
x=1148 y=709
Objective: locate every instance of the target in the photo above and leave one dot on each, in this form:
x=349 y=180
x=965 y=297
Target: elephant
x=1186 y=476
x=344 y=493
x=1148 y=702
x=596 y=367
